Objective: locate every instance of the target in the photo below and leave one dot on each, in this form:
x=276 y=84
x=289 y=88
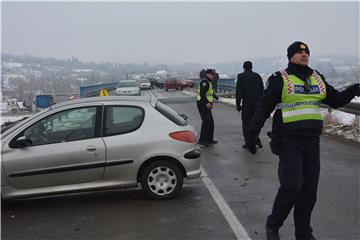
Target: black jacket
x=272 y=97
x=249 y=89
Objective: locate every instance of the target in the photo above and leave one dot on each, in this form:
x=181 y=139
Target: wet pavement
x=246 y=183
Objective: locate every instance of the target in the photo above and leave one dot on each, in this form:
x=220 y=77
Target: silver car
x=144 y=84
x=128 y=88
x=99 y=143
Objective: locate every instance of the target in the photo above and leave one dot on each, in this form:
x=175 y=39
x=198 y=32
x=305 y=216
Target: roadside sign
x=104 y=93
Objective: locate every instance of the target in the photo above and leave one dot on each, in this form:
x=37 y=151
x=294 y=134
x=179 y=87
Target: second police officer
x=296 y=92
x=205 y=100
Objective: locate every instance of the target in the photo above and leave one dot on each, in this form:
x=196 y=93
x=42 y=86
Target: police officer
x=296 y=92
x=249 y=89
x=205 y=100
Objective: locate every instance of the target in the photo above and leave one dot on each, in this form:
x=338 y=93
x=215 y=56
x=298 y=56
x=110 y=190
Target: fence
x=352 y=107
x=94 y=90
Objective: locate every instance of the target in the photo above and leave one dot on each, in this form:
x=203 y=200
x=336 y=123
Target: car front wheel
x=161 y=180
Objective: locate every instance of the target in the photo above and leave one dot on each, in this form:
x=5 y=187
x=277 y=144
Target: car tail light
x=184 y=136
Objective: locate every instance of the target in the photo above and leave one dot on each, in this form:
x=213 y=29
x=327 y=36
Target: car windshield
x=127 y=84
x=143 y=81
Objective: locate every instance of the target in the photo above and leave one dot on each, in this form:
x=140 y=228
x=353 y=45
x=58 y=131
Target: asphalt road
x=247 y=184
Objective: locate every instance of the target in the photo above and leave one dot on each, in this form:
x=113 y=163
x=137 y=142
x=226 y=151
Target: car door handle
x=91 y=149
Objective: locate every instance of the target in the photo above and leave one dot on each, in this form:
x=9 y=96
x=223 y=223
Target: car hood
x=22 y=122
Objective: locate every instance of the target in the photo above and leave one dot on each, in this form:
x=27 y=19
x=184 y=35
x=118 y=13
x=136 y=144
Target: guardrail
x=94 y=90
x=352 y=107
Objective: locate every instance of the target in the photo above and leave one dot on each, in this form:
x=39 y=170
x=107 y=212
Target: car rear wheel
x=161 y=180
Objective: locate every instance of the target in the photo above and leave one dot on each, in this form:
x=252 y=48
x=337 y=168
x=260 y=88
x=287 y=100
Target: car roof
x=122 y=81
x=146 y=98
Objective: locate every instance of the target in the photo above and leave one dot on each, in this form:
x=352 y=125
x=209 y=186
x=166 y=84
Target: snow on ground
x=230 y=101
x=189 y=92
x=342 y=117
x=341 y=124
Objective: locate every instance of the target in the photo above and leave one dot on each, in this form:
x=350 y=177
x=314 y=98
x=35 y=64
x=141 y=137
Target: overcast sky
x=166 y=32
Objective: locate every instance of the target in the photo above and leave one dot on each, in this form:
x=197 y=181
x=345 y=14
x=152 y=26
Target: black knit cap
x=210 y=70
x=297 y=47
x=247 y=65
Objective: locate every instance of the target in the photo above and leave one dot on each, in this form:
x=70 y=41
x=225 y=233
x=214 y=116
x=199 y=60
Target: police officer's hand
x=239 y=108
x=216 y=97
x=254 y=134
x=209 y=105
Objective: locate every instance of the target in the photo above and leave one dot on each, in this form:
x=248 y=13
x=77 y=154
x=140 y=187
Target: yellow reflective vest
x=209 y=93
x=297 y=104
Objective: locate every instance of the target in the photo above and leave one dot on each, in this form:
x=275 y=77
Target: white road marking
x=229 y=215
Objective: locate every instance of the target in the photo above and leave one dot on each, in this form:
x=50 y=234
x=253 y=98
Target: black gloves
x=253 y=136
x=216 y=97
x=239 y=108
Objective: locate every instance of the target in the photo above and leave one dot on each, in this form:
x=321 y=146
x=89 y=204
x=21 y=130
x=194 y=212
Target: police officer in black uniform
x=205 y=100
x=296 y=93
x=249 y=89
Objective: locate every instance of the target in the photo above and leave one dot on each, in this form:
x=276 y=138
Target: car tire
x=166 y=89
x=161 y=180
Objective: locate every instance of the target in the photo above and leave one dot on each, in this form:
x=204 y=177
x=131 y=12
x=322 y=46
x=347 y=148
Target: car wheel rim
x=162 y=180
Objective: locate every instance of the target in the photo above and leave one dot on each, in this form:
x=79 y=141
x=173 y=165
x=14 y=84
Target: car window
x=65 y=126
x=122 y=119
x=127 y=84
x=170 y=113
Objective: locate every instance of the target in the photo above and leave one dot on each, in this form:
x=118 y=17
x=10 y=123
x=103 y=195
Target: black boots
x=273 y=234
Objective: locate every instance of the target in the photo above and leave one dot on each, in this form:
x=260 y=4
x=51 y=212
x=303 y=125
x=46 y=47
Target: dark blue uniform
x=299 y=151
x=207 y=125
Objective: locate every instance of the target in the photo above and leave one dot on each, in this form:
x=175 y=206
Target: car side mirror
x=21 y=142
x=183 y=116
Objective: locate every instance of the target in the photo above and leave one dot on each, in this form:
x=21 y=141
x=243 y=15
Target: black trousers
x=248 y=113
x=246 y=127
x=207 y=125
x=299 y=169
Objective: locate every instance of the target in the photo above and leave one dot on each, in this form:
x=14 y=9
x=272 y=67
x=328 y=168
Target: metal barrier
x=352 y=107
x=94 y=90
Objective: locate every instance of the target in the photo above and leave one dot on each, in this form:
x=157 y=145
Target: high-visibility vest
x=209 y=93
x=297 y=104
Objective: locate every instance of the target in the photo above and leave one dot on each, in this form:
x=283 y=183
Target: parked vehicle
x=99 y=143
x=174 y=83
x=153 y=82
x=144 y=84
x=128 y=88
x=185 y=83
x=159 y=83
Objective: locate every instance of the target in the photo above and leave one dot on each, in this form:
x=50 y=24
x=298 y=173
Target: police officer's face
x=210 y=76
x=301 y=58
